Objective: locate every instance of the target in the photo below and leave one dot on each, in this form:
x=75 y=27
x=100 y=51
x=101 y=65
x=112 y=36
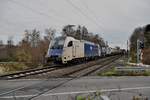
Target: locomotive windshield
x=58 y=43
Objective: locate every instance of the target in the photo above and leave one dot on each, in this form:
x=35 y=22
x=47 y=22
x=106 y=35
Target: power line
x=8 y=22
x=83 y=13
x=33 y=10
x=58 y=13
x=89 y=10
x=44 y=14
x=76 y=14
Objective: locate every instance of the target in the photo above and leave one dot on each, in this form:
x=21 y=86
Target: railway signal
x=140 y=47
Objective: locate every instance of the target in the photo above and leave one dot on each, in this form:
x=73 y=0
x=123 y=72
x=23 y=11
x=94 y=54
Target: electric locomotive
x=68 y=49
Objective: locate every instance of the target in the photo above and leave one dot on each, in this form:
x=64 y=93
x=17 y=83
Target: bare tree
x=147 y=36
x=78 y=33
x=34 y=47
x=146 y=51
x=35 y=38
x=27 y=36
x=32 y=37
x=137 y=34
x=44 y=44
x=10 y=48
x=49 y=34
x=68 y=30
x=10 y=41
x=1 y=42
x=84 y=33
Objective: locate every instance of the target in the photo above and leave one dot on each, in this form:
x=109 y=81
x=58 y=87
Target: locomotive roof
x=64 y=37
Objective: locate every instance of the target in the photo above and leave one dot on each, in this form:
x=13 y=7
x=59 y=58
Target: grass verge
x=113 y=72
x=12 y=67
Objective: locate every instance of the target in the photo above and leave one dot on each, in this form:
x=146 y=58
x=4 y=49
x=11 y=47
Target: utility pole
x=128 y=55
x=81 y=35
x=140 y=47
x=138 y=50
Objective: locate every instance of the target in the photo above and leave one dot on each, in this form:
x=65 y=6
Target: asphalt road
x=130 y=87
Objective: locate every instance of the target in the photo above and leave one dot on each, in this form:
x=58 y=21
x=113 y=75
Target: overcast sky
x=114 y=20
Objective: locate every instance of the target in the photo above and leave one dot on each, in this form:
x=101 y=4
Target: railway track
x=29 y=72
x=87 y=70
x=60 y=71
x=79 y=70
x=75 y=73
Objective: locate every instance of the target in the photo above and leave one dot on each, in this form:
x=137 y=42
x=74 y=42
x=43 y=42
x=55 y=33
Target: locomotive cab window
x=70 y=44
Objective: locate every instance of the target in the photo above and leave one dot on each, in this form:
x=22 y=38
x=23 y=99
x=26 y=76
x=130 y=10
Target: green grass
x=81 y=98
x=147 y=73
x=110 y=73
x=12 y=67
x=115 y=73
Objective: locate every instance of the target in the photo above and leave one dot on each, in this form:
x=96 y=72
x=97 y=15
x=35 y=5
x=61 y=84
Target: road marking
x=78 y=92
x=11 y=91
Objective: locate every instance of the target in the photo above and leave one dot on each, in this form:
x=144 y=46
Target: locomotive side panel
x=90 y=50
x=78 y=49
x=67 y=54
x=108 y=51
x=103 y=51
x=68 y=50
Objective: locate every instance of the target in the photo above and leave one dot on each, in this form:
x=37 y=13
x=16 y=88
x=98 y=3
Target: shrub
x=12 y=67
x=109 y=74
x=125 y=73
x=23 y=56
x=146 y=56
x=81 y=98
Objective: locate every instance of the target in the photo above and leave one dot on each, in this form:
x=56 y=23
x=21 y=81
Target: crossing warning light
x=141 y=45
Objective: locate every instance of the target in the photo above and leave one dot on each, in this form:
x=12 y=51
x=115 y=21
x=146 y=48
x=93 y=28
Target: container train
x=68 y=49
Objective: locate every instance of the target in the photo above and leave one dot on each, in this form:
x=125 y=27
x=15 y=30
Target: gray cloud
x=116 y=18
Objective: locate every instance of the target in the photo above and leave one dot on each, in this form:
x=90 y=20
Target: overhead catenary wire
x=84 y=14
x=49 y=16
x=35 y=11
x=56 y=13
x=92 y=12
x=10 y=22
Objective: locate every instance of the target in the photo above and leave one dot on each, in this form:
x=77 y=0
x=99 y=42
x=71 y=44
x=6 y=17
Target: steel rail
x=38 y=94
x=28 y=72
